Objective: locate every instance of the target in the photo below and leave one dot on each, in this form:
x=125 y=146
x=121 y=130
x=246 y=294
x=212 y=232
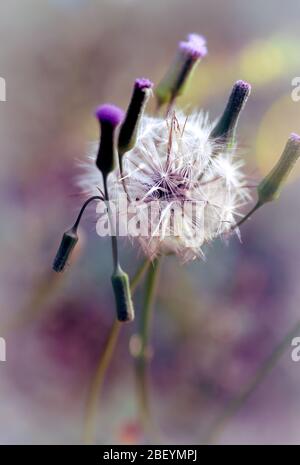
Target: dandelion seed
x=162 y=171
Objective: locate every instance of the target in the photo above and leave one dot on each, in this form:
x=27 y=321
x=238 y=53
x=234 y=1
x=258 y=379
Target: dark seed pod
x=121 y=287
x=68 y=242
x=270 y=187
x=128 y=132
x=226 y=126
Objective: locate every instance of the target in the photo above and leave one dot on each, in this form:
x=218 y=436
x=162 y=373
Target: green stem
x=139 y=274
x=97 y=382
x=141 y=365
x=241 y=398
x=239 y=223
x=103 y=364
x=86 y=203
x=114 y=240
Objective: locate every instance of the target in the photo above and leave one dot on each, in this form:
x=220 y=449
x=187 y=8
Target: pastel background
x=215 y=321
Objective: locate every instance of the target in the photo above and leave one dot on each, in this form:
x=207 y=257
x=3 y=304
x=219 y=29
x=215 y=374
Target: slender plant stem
x=169 y=107
x=86 y=203
x=103 y=364
x=114 y=240
x=97 y=382
x=241 y=398
x=141 y=366
x=241 y=221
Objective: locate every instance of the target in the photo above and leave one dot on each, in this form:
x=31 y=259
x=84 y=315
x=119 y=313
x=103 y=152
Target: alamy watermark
x=295 y=354
x=2 y=349
x=2 y=90
x=295 y=94
x=154 y=218
x=2 y=99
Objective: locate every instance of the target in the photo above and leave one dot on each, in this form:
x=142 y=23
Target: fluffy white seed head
x=194 y=185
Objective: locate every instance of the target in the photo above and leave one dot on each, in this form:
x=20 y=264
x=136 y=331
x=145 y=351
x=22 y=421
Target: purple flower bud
x=143 y=83
x=109 y=117
x=194 y=46
x=109 y=114
x=270 y=187
x=294 y=138
x=226 y=126
x=128 y=132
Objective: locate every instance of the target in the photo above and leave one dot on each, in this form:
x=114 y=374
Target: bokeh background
x=215 y=321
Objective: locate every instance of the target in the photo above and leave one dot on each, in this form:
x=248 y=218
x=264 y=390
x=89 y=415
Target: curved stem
x=139 y=274
x=241 y=398
x=141 y=366
x=103 y=364
x=86 y=203
x=239 y=223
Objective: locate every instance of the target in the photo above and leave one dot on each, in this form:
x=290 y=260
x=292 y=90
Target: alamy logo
x=295 y=354
x=182 y=219
x=295 y=94
x=2 y=90
x=2 y=350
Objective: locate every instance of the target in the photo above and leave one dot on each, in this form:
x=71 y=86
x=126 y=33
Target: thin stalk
x=97 y=382
x=141 y=366
x=122 y=177
x=103 y=364
x=86 y=203
x=239 y=223
x=139 y=274
x=114 y=240
x=241 y=398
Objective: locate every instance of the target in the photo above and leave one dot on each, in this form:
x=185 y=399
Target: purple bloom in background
x=189 y=53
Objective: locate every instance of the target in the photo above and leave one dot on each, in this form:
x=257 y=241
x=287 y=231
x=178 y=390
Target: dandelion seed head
x=174 y=164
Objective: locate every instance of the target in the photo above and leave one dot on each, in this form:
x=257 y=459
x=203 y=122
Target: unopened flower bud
x=121 y=287
x=128 y=132
x=66 y=247
x=189 y=54
x=226 y=126
x=109 y=117
x=270 y=187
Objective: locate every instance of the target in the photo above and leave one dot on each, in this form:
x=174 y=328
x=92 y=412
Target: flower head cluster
x=180 y=174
